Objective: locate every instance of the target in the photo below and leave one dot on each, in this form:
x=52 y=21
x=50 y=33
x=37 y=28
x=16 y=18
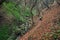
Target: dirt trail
x=42 y=26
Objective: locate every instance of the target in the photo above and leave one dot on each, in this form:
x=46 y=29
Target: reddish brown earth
x=42 y=26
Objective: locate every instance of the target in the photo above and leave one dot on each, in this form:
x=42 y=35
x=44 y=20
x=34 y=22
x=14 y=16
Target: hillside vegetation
x=17 y=16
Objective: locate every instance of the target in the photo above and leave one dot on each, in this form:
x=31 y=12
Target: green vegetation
x=4 y=32
x=18 y=17
x=15 y=11
x=19 y=20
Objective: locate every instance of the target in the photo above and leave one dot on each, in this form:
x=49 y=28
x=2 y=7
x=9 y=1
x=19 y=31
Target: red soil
x=42 y=26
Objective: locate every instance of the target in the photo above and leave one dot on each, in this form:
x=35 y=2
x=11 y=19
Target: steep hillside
x=45 y=26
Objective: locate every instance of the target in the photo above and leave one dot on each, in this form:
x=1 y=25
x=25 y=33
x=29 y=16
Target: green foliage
x=19 y=14
x=16 y=11
x=11 y=8
x=56 y=34
x=4 y=32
